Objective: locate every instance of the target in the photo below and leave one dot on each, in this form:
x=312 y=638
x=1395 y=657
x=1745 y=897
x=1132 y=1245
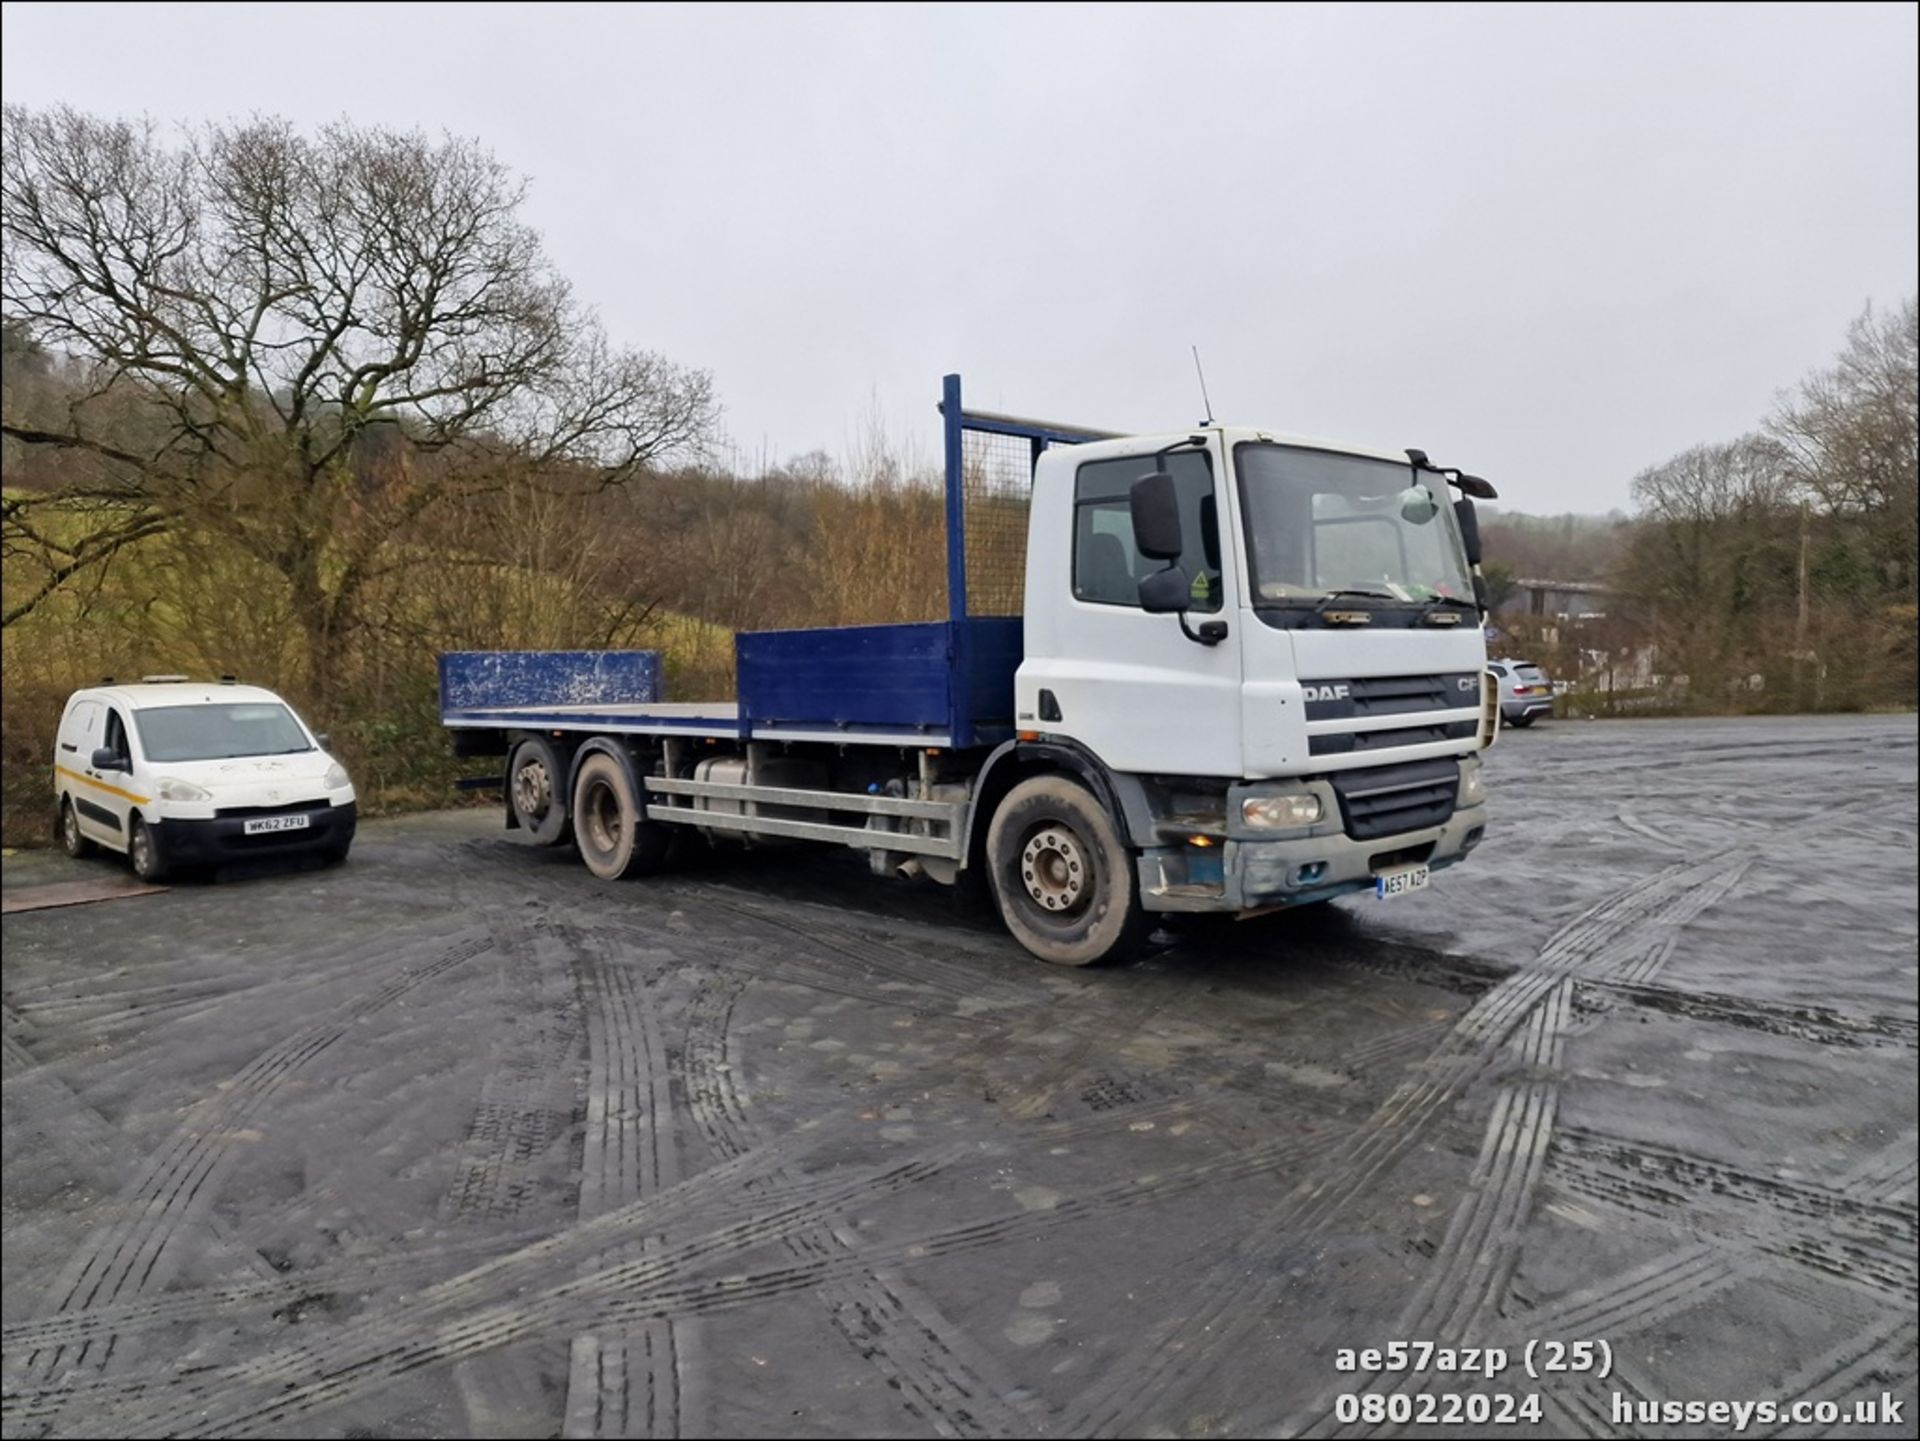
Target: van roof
x=148 y=697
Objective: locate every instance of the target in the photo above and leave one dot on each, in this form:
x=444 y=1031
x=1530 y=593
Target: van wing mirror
x=1165 y=591
x=323 y=740
x=1155 y=507
x=106 y=758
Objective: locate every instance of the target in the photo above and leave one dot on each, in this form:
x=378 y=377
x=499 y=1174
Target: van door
x=106 y=797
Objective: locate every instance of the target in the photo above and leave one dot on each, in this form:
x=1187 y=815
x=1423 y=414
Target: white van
x=178 y=773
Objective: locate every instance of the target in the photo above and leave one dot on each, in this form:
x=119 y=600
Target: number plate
x=1400 y=880
x=261 y=825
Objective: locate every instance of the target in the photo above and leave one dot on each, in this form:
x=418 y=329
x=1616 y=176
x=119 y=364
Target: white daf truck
x=1240 y=671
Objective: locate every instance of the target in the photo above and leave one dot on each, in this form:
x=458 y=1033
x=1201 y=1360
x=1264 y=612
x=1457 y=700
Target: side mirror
x=323 y=740
x=1155 y=505
x=1469 y=519
x=1165 y=591
x=1479 y=489
x=107 y=759
x=1480 y=593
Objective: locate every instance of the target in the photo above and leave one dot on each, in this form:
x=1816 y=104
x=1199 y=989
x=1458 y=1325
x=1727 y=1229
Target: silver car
x=1525 y=691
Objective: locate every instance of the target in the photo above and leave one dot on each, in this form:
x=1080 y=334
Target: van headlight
x=1277 y=813
x=337 y=779
x=1473 y=784
x=171 y=788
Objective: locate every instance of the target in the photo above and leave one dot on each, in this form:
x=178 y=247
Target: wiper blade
x=1331 y=596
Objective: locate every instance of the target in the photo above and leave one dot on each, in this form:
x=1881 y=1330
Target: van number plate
x=1399 y=881
x=261 y=825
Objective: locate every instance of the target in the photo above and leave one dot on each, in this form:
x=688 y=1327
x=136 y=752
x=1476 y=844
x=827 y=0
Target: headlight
x=337 y=779
x=1273 y=813
x=1473 y=786
x=170 y=789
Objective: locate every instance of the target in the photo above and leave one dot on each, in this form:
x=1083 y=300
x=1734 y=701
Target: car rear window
x=219 y=732
x=1531 y=673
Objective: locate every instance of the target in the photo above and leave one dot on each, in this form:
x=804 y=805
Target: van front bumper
x=224 y=839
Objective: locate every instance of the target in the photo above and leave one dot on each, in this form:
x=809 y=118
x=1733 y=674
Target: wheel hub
x=1054 y=869
x=532 y=789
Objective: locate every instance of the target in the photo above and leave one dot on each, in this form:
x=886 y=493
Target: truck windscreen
x=1321 y=523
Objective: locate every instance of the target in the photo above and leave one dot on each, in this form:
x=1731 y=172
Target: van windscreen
x=219 y=732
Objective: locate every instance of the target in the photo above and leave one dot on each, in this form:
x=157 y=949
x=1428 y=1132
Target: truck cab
x=1286 y=682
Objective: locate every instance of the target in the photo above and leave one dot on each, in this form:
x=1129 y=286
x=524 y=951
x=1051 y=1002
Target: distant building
x=1557 y=599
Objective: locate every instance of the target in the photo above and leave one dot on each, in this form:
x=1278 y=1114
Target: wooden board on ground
x=72 y=893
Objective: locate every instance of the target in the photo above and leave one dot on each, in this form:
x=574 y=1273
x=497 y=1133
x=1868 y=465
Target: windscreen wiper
x=1331 y=596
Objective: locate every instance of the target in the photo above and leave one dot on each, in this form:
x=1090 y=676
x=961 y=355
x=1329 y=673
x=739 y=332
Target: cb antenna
x=1203 y=386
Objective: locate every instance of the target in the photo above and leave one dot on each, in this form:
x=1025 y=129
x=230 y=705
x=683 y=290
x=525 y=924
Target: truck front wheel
x=610 y=826
x=1062 y=876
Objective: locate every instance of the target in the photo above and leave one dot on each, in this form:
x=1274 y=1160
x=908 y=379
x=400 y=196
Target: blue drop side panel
x=487 y=679
x=928 y=676
x=995 y=646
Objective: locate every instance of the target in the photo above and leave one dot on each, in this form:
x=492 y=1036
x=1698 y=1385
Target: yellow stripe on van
x=102 y=786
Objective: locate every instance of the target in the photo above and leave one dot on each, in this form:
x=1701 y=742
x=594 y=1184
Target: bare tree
x=304 y=345
x=1851 y=437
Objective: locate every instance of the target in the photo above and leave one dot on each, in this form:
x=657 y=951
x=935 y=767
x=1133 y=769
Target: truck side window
x=1107 y=569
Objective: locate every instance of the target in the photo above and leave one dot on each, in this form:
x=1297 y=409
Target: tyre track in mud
x=625 y=1382
x=1172 y=1362
x=477 y=1310
x=944 y=1379
x=1467 y=1282
x=1670 y=1285
x=1474 y=1263
x=176 y=1185
x=468 y=1317
x=1865 y=1245
x=182 y=1003
x=522 y=1122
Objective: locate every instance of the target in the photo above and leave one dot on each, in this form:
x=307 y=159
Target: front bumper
x=1243 y=874
x=224 y=840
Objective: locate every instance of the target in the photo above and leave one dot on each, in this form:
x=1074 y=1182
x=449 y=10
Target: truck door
x=1129 y=685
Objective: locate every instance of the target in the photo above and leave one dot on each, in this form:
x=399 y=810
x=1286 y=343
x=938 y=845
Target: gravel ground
x=455 y=1141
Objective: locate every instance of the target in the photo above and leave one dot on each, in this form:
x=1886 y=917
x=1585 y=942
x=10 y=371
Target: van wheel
x=143 y=850
x=1062 y=876
x=615 y=838
x=71 y=841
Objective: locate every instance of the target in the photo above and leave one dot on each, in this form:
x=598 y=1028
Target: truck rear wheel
x=610 y=826
x=1062 y=876
x=537 y=792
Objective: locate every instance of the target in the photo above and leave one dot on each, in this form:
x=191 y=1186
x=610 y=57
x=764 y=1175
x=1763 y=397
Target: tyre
x=144 y=853
x=615 y=838
x=537 y=792
x=71 y=841
x=1062 y=876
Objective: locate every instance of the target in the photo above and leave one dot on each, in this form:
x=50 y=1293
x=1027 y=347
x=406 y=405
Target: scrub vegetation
x=312 y=409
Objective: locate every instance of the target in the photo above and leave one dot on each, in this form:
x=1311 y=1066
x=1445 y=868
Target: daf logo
x=1325 y=692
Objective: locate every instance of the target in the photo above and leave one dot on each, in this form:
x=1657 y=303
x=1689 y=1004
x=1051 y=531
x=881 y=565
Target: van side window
x=82 y=725
x=116 y=740
x=1107 y=569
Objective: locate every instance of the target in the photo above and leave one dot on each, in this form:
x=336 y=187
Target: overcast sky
x=1552 y=245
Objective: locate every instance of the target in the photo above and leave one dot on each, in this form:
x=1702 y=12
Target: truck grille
x=1390 y=800
x=1383 y=695
x=1376 y=698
